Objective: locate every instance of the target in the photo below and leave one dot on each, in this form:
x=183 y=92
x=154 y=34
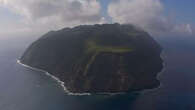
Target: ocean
x=22 y=88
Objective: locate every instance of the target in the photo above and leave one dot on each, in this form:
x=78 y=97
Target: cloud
x=185 y=28
x=68 y=10
x=193 y=30
x=39 y=16
x=147 y=14
x=54 y=14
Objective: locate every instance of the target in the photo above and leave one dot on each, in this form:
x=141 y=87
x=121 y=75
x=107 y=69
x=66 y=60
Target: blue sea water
x=25 y=89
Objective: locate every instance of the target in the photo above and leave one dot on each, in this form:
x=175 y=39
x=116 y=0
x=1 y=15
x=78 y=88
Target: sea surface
x=25 y=89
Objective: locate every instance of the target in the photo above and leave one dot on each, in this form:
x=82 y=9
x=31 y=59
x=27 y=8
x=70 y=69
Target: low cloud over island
x=40 y=16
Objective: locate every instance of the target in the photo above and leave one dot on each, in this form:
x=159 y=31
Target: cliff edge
x=98 y=58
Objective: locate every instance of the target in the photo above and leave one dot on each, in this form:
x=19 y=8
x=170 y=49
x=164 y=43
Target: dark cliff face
x=98 y=58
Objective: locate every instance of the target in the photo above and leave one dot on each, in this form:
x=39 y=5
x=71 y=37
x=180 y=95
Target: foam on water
x=158 y=76
x=81 y=94
x=55 y=78
x=62 y=83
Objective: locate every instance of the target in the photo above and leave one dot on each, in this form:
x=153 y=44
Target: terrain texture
x=98 y=58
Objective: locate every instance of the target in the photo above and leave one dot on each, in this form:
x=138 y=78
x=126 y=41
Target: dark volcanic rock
x=98 y=58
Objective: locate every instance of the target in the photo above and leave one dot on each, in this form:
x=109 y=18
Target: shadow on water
x=103 y=102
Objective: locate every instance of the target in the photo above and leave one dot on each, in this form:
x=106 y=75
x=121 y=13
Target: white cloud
x=185 y=28
x=39 y=16
x=48 y=15
x=71 y=10
x=147 y=14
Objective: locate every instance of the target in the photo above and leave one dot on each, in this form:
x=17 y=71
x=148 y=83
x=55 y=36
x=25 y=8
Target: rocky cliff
x=98 y=58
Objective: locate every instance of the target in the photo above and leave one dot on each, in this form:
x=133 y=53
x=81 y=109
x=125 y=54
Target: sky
x=36 y=17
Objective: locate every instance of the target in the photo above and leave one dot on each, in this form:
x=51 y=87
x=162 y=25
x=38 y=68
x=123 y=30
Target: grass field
x=92 y=46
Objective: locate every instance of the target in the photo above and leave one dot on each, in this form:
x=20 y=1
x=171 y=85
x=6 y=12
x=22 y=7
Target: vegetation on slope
x=98 y=58
x=92 y=46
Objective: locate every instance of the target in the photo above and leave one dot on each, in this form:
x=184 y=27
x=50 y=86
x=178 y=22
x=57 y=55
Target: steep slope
x=98 y=58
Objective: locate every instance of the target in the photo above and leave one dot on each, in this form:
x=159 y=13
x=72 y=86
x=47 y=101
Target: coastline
x=48 y=74
x=62 y=83
x=55 y=78
x=82 y=94
x=158 y=77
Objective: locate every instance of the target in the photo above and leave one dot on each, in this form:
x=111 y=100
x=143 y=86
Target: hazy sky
x=158 y=17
